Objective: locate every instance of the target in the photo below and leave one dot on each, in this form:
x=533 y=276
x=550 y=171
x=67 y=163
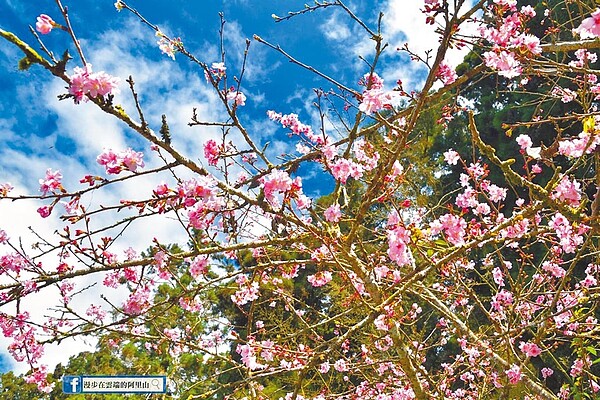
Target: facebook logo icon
x=72 y=384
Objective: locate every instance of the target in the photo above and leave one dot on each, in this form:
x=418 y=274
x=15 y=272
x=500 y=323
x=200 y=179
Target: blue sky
x=38 y=132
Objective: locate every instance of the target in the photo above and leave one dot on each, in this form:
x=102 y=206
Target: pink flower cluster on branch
x=511 y=43
x=116 y=162
x=85 y=83
x=388 y=287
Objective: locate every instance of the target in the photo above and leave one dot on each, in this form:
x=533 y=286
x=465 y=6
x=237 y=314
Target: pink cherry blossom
x=96 y=312
x=167 y=47
x=340 y=365
x=566 y=95
x=374 y=100
x=291 y=121
x=398 y=240
x=324 y=367
x=198 y=266
x=451 y=157
x=528 y=11
x=508 y=3
x=51 y=182
x=211 y=152
x=85 y=83
x=114 y=163
x=590 y=27
x=342 y=169
x=238 y=98
x=453 y=226
x=505 y=62
x=246 y=293
x=44 y=211
x=546 y=372
x=584 y=58
x=248 y=355
x=496 y=193
x=530 y=349
x=568 y=191
x=333 y=213
x=138 y=301
x=498 y=276
x=433 y=3
x=446 y=73
x=365 y=153
x=577 y=367
x=132 y=160
x=44 y=24
x=553 y=269
x=275 y=183
x=514 y=374
x=576 y=147
x=321 y=278
x=5 y=188
x=501 y=299
x=218 y=68
x=524 y=141
x=39 y=376
x=371 y=80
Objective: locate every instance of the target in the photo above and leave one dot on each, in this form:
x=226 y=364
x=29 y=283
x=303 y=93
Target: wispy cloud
x=402 y=22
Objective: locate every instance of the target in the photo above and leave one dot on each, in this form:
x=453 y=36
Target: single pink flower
x=524 y=141
x=167 y=47
x=451 y=157
x=44 y=24
x=5 y=188
x=44 y=211
x=590 y=27
x=333 y=213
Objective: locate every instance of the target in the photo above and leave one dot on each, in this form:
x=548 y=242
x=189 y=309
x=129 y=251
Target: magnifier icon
x=155 y=383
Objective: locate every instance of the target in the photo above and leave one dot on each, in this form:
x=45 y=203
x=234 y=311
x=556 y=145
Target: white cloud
x=335 y=29
x=403 y=22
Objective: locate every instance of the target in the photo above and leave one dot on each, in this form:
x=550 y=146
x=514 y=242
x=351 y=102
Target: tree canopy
x=450 y=252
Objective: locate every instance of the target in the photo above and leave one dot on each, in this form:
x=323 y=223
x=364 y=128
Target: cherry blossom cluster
x=168 y=46
x=116 y=162
x=510 y=42
x=446 y=74
x=85 y=83
x=279 y=188
x=236 y=97
x=51 y=183
x=375 y=98
x=212 y=151
x=217 y=71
